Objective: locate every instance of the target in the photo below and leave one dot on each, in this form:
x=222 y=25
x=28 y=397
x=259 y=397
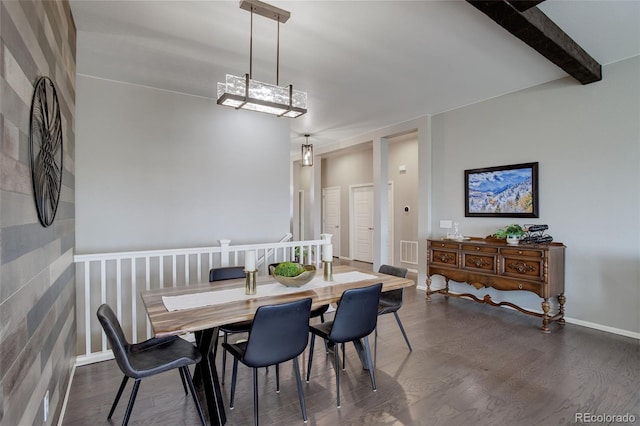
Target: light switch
x=446 y=224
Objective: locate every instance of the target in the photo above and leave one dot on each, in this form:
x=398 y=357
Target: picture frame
x=502 y=191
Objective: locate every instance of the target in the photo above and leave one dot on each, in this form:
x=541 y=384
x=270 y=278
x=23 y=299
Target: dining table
x=202 y=308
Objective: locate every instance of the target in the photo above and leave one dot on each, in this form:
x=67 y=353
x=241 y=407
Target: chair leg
x=118 y=395
x=224 y=357
x=303 y=406
x=406 y=339
x=277 y=378
x=344 y=360
x=367 y=353
x=311 y=345
x=233 y=382
x=185 y=373
x=184 y=383
x=337 y=367
x=132 y=399
x=255 y=396
x=375 y=348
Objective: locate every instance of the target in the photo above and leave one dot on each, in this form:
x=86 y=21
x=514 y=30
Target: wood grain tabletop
x=165 y=323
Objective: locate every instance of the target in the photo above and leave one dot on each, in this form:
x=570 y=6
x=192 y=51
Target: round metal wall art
x=45 y=149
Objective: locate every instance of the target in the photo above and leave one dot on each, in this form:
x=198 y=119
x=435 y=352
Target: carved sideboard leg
x=561 y=301
x=446 y=287
x=545 y=318
x=428 y=289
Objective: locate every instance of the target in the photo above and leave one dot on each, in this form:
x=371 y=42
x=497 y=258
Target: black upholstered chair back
x=357 y=314
x=278 y=333
x=116 y=338
x=226 y=273
x=394 y=296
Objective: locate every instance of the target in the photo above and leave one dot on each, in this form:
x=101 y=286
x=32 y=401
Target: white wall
x=587 y=141
x=157 y=169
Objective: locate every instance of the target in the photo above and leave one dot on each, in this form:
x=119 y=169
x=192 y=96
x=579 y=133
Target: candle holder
x=250 y=283
x=328 y=270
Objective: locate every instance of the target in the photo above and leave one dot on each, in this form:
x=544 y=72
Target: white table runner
x=219 y=297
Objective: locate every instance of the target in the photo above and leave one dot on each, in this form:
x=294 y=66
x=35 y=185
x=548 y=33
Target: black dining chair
x=355 y=319
x=222 y=274
x=279 y=333
x=148 y=358
x=391 y=302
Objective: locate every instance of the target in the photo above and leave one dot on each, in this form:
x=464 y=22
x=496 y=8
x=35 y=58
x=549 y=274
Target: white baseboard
x=66 y=395
x=582 y=323
x=606 y=328
x=91 y=358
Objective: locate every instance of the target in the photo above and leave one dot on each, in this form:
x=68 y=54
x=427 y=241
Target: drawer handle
x=477 y=248
x=521 y=267
x=446 y=258
x=520 y=286
x=478 y=262
x=519 y=251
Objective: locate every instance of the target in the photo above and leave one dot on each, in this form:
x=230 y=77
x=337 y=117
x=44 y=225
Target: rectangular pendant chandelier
x=246 y=93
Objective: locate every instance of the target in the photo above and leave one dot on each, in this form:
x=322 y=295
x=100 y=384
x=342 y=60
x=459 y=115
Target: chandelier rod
x=251 y=45
x=278 y=57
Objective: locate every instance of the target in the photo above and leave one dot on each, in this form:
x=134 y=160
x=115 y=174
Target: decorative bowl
x=297 y=281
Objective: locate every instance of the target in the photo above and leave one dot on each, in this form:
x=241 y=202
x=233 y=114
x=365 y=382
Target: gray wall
x=404 y=152
x=355 y=167
x=587 y=141
x=159 y=169
x=37 y=276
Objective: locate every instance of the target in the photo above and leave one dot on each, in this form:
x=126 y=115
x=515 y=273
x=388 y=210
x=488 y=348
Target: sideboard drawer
x=522 y=267
x=484 y=262
x=479 y=249
x=521 y=252
x=445 y=257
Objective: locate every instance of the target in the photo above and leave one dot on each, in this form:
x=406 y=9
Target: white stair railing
x=118 y=279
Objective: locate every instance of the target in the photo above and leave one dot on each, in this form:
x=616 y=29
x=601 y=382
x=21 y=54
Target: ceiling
x=365 y=64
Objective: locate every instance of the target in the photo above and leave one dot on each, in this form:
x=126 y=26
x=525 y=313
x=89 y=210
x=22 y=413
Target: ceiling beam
x=541 y=33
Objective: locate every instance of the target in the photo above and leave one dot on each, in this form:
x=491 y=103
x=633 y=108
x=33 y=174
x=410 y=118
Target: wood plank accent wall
x=37 y=274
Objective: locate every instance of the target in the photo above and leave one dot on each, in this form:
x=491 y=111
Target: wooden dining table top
x=168 y=323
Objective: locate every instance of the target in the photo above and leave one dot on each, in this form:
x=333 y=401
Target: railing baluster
x=134 y=295
x=87 y=307
x=103 y=295
x=186 y=268
x=161 y=271
x=147 y=277
x=199 y=266
x=174 y=269
x=119 y=288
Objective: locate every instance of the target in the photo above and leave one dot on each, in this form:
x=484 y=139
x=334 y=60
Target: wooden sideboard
x=538 y=268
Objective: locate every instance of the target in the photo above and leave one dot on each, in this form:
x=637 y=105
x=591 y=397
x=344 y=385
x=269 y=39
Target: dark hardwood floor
x=471 y=364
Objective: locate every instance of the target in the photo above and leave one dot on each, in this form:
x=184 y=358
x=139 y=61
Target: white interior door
x=363 y=223
x=331 y=216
